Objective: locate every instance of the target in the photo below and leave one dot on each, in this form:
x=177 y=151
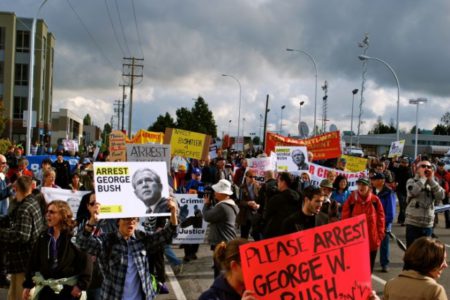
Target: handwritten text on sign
x=307 y=264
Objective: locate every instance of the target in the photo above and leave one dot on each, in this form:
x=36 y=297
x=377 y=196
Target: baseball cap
x=363 y=180
x=378 y=176
x=326 y=183
x=196 y=171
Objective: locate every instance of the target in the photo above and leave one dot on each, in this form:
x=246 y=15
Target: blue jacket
x=388 y=199
x=220 y=290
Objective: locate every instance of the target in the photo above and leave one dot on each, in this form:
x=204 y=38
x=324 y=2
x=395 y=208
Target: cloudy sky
x=188 y=44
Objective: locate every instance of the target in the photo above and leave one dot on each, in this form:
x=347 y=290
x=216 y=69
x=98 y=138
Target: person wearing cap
x=363 y=202
x=195 y=182
x=341 y=163
x=298 y=157
x=423 y=191
x=329 y=211
x=387 y=198
x=443 y=177
x=221 y=216
x=402 y=173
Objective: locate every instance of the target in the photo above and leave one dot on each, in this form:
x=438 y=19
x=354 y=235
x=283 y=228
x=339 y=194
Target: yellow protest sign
x=187 y=143
x=355 y=164
x=145 y=137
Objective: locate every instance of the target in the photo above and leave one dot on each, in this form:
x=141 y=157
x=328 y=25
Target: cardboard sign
x=117 y=146
x=188 y=144
x=291 y=159
x=324 y=146
x=260 y=165
x=192 y=228
x=318 y=173
x=326 y=262
x=396 y=148
x=120 y=197
x=355 y=164
x=149 y=152
x=145 y=137
x=72 y=198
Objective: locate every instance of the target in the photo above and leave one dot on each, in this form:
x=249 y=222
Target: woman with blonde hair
x=57 y=269
x=229 y=285
x=48 y=179
x=424 y=262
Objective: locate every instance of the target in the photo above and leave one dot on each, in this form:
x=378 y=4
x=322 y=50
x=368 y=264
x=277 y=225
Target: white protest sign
x=72 y=198
x=396 y=148
x=131 y=189
x=292 y=159
x=318 y=173
x=192 y=228
x=148 y=152
x=260 y=165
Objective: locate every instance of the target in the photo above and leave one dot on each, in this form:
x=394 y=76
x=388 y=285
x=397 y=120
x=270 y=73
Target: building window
x=23 y=41
x=21 y=74
x=2 y=38
x=20 y=104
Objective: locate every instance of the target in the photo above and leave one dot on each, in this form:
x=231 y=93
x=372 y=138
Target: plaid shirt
x=19 y=239
x=114 y=264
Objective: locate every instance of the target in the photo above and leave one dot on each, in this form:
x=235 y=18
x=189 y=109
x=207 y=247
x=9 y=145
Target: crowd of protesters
x=112 y=259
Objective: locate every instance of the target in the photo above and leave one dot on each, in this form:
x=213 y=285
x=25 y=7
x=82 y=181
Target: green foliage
x=256 y=140
x=106 y=131
x=87 y=120
x=4 y=144
x=380 y=127
x=446 y=119
x=161 y=123
x=440 y=130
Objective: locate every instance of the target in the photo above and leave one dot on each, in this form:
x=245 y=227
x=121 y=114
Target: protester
x=221 y=216
x=424 y=262
x=75 y=184
x=49 y=179
x=46 y=164
x=280 y=206
x=62 y=169
x=247 y=203
x=268 y=190
x=228 y=286
x=402 y=174
x=307 y=216
x=340 y=192
x=239 y=178
x=381 y=167
x=387 y=198
x=305 y=181
x=25 y=225
x=5 y=192
x=443 y=178
x=54 y=257
x=123 y=254
x=329 y=211
x=422 y=192
x=341 y=164
x=363 y=201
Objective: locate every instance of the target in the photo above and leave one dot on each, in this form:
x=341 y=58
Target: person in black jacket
x=280 y=206
x=402 y=173
x=62 y=170
x=54 y=256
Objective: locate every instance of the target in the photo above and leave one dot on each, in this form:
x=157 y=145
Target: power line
x=114 y=28
x=137 y=29
x=121 y=28
x=90 y=34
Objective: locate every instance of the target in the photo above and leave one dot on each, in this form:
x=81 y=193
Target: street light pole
x=354 y=92
x=417 y=102
x=239 y=111
x=315 y=89
x=281 y=119
x=364 y=58
x=300 y=113
x=229 y=125
x=31 y=78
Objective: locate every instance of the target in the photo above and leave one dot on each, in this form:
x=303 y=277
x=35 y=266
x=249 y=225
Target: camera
x=205 y=190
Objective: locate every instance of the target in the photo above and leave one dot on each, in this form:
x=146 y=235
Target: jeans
x=414 y=232
x=384 y=251
x=171 y=256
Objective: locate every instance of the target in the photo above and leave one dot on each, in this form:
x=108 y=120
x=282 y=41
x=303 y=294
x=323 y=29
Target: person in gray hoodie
x=221 y=216
x=422 y=193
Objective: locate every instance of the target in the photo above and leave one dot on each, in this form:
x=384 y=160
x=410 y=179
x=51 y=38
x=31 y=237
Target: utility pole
x=132 y=70
x=124 y=96
x=118 y=110
x=265 y=121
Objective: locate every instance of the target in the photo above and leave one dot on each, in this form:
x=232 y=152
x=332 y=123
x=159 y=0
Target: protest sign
x=213 y=151
x=324 y=146
x=318 y=173
x=291 y=159
x=35 y=161
x=319 y=263
x=188 y=144
x=70 y=145
x=355 y=164
x=396 y=148
x=117 y=146
x=260 y=165
x=145 y=137
x=148 y=152
x=192 y=228
x=72 y=198
x=131 y=189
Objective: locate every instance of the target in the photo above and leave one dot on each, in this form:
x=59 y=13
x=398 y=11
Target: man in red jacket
x=363 y=201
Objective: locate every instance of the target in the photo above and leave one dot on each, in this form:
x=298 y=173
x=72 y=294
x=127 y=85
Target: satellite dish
x=303 y=129
x=333 y=128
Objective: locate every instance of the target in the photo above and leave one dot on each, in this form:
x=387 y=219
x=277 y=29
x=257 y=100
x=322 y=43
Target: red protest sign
x=326 y=262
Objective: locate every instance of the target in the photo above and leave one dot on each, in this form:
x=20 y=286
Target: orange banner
x=145 y=137
x=324 y=146
x=319 y=263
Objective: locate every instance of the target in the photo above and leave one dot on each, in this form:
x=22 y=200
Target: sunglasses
x=425 y=166
x=92 y=203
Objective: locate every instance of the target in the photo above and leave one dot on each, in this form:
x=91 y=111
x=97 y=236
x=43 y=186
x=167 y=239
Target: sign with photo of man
x=291 y=159
x=192 y=228
x=131 y=189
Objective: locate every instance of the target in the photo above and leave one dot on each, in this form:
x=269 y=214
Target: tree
x=440 y=130
x=87 y=120
x=204 y=118
x=446 y=119
x=106 y=131
x=413 y=130
x=161 y=123
x=380 y=127
x=256 y=140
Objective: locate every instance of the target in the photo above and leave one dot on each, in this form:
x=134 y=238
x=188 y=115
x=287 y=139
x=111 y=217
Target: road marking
x=378 y=279
x=177 y=290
